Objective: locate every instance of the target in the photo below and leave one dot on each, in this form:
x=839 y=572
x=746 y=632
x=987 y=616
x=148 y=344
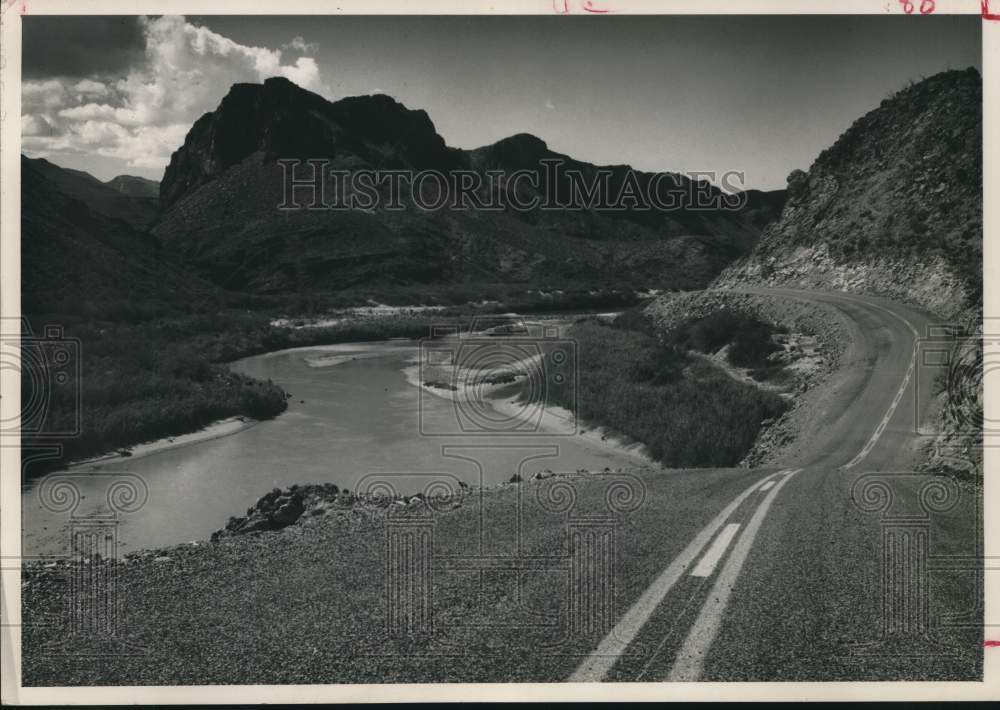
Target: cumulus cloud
x=298 y=44
x=38 y=125
x=42 y=95
x=143 y=116
x=89 y=87
x=101 y=112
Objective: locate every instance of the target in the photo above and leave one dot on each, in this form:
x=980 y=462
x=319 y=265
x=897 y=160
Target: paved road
x=804 y=575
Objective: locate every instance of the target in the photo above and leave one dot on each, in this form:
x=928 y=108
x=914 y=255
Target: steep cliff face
x=279 y=118
x=893 y=208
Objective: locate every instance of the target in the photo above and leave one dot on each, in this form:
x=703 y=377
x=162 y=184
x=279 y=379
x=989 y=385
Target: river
x=357 y=414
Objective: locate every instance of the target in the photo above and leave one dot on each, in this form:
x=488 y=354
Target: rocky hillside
x=894 y=207
x=85 y=251
x=221 y=191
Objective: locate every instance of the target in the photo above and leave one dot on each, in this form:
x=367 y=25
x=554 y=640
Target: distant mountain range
x=135 y=186
x=217 y=222
x=123 y=197
x=221 y=191
x=899 y=191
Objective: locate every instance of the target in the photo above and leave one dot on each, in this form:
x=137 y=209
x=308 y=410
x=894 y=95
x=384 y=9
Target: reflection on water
x=352 y=413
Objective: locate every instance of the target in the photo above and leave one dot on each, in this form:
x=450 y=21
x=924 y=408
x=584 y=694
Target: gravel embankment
x=314 y=603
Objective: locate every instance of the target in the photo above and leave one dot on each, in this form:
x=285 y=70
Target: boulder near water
x=272 y=511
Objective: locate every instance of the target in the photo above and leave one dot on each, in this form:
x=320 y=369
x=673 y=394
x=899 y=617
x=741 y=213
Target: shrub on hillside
x=749 y=339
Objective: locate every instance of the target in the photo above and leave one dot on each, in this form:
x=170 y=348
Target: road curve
x=803 y=576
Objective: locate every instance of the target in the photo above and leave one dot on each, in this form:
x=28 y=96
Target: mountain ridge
x=135 y=186
x=222 y=187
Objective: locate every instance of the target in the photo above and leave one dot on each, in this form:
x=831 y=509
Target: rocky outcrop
x=893 y=208
x=279 y=509
x=272 y=511
x=279 y=119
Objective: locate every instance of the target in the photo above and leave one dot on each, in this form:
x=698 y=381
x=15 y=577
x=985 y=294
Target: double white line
x=688 y=665
x=691 y=657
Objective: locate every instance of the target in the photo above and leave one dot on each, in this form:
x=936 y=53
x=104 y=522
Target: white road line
x=706 y=566
x=870 y=444
x=597 y=665
x=691 y=657
x=767 y=485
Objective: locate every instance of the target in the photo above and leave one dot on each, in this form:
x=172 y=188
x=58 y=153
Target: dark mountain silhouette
x=280 y=119
x=85 y=253
x=102 y=198
x=221 y=191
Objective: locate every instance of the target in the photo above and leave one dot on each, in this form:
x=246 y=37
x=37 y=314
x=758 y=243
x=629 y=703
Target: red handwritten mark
x=926 y=6
x=987 y=15
x=562 y=7
x=990 y=644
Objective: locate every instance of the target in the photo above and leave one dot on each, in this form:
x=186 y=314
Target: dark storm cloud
x=79 y=46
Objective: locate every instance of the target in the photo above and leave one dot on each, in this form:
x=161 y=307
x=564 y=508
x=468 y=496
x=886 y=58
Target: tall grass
x=687 y=413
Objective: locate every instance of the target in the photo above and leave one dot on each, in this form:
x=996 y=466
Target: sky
x=762 y=95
